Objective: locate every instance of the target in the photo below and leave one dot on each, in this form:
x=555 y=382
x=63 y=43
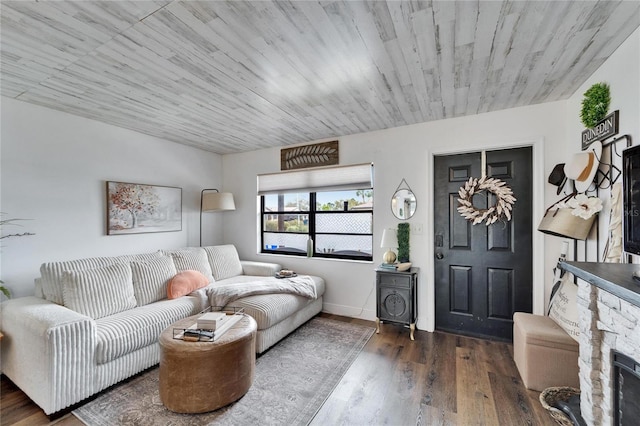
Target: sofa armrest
x=261 y=269
x=48 y=351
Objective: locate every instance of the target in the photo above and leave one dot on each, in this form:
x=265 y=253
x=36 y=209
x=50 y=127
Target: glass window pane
x=348 y=245
x=345 y=223
x=286 y=242
x=361 y=199
x=286 y=222
x=286 y=202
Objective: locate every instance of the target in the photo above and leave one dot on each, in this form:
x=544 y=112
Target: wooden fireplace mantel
x=615 y=278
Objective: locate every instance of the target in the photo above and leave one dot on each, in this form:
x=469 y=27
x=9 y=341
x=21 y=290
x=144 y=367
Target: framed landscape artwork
x=134 y=208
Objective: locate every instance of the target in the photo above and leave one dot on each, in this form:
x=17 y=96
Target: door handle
x=439 y=255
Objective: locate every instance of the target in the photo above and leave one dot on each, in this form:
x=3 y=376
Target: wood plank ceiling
x=233 y=76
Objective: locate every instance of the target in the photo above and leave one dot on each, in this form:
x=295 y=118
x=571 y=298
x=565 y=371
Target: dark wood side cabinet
x=397 y=297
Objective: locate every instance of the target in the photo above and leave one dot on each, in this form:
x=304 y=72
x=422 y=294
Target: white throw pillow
x=563 y=307
x=150 y=279
x=192 y=259
x=52 y=274
x=142 y=257
x=99 y=292
x=225 y=262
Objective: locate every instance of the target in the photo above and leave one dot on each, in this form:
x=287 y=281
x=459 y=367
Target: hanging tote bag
x=559 y=221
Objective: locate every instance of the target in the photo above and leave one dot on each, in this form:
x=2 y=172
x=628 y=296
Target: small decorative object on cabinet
x=389 y=241
x=397 y=297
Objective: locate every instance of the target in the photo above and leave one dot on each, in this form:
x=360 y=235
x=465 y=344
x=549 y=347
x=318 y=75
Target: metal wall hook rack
x=606 y=178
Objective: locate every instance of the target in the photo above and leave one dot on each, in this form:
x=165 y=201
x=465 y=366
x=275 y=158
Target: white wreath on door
x=501 y=209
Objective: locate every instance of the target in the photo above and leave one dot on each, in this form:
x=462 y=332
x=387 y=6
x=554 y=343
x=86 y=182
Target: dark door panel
x=482 y=273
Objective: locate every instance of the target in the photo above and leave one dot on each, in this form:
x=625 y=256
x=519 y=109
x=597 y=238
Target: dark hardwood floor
x=438 y=379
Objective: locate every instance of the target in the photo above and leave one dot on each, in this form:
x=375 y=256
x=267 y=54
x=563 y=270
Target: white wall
x=553 y=129
x=54 y=168
x=622 y=73
x=404 y=152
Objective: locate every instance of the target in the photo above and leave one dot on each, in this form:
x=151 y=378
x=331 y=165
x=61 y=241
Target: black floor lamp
x=212 y=200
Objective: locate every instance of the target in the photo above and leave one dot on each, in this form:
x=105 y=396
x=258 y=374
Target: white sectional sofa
x=94 y=322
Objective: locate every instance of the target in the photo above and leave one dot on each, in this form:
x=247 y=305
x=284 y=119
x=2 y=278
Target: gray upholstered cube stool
x=544 y=353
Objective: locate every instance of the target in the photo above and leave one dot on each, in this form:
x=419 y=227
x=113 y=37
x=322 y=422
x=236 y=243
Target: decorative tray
x=195 y=334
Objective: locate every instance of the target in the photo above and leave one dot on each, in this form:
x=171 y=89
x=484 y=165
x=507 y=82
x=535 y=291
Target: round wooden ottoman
x=196 y=377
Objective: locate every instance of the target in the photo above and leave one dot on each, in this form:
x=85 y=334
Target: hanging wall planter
x=595 y=104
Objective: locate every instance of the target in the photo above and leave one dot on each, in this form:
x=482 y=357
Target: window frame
x=312 y=212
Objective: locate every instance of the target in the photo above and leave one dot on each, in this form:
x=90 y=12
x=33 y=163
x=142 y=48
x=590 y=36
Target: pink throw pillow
x=185 y=282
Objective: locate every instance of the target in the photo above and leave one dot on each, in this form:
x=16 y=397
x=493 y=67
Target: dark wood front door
x=483 y=274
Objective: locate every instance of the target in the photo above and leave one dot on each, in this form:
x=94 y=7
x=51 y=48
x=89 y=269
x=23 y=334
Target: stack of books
x=212 y=320
x=388 y=266
x=202 y=332
x=231 y=320
x=195 y=335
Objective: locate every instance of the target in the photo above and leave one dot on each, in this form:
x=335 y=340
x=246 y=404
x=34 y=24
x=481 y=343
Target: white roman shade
x=358 y=176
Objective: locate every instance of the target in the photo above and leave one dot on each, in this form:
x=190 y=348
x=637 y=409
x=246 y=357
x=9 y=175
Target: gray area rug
x=293 y=379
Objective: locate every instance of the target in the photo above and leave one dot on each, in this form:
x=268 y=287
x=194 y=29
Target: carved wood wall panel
x=314 y=155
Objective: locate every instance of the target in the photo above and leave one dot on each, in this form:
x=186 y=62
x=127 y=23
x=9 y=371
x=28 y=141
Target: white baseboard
x=349 y=311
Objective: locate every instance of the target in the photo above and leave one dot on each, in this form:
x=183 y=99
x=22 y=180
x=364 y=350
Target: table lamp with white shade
x=389 y=241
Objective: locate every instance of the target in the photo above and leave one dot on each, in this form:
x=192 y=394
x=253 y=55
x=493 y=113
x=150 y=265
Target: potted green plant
x=403 y=242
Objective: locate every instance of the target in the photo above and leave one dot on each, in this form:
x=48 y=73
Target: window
x=339 y=222
x=334 y=209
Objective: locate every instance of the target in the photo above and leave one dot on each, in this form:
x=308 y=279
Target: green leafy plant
x=5 y=290
x=595 y=104
x=403 y=242
x=3 y=222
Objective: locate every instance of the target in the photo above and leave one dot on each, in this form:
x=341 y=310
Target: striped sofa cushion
x=99 y=292
x=125 y=332
x=224 y=260
x=270 y=309
x=192 y=258
x=143 y=257
x=151 y=277
x=51 y=272
x=52 y=286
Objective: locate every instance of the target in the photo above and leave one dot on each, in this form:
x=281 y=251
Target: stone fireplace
x=609 y=323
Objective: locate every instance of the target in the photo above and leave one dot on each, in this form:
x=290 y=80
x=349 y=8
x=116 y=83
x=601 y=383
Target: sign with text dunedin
x=601 y=131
